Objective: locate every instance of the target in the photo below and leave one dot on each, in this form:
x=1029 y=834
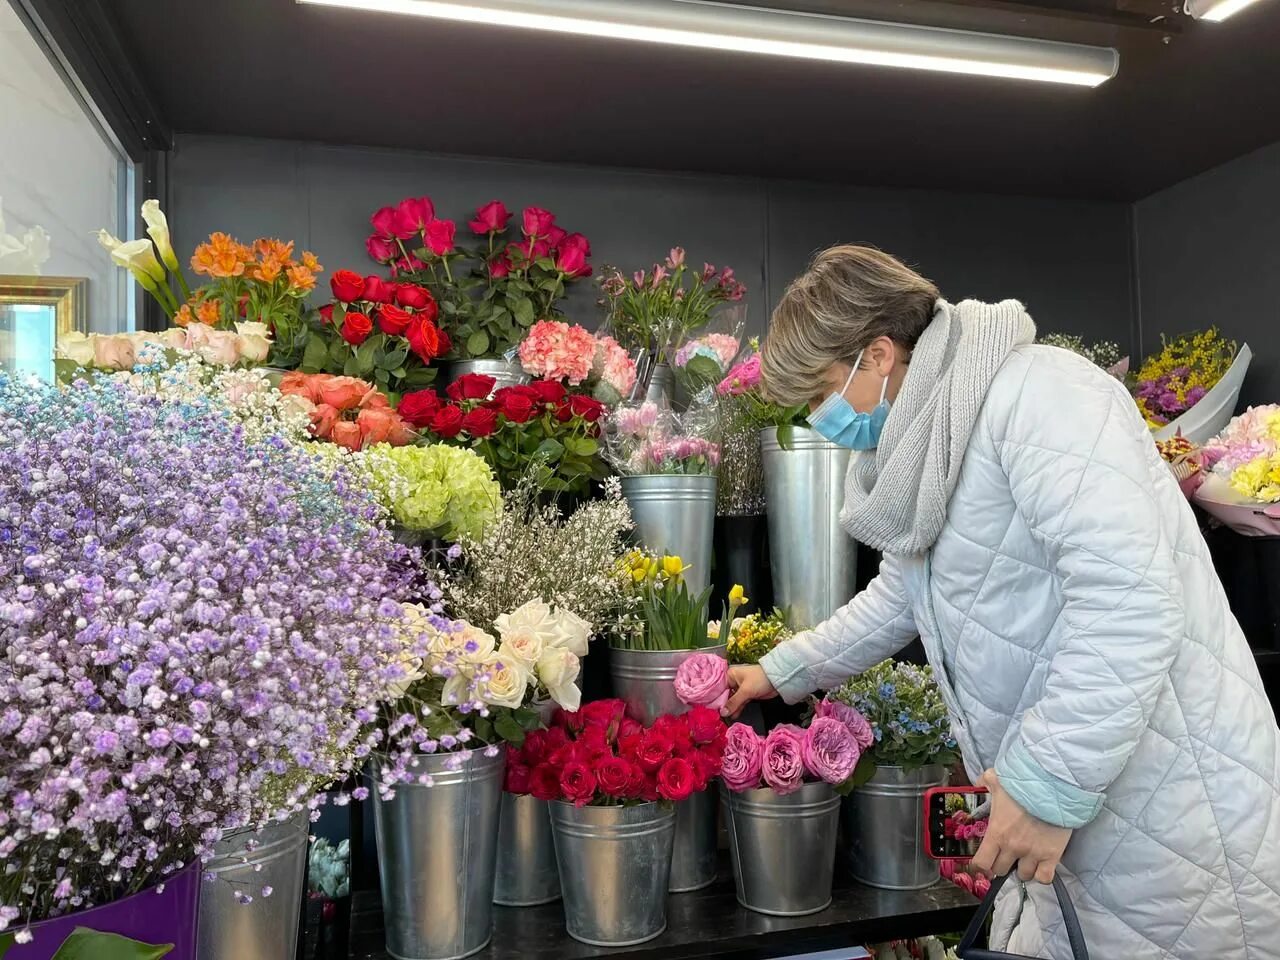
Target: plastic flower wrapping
x=652 y=439
x=908 y=719
x=1174 y=380
x=177 y=599
x=602 y=757
x=329 y=868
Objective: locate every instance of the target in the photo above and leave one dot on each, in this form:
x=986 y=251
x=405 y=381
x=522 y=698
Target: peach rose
x=323 y=418
x=113 y=352
x=346 y=433
x=215 y=346
x=344 y=393
x=175 y=338
x=298 y=384
x=377 y=426
x=253 y=340
x=375 y=399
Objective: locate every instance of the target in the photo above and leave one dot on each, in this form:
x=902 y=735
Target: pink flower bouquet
x=647 y=439
x=553 y=350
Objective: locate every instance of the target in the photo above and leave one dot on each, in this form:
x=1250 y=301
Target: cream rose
x=558 y=670
x=113 y=353
x=535 y=615
x=457 y=690
x=476 y=645
x=75 y=346
x=253 y=340
x=412 y=670
x=508 y=681
x=524 y=644
x=571 y=632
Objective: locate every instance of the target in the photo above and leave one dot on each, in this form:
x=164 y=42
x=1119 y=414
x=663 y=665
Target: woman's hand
x=1016 y=837
x=747 y=683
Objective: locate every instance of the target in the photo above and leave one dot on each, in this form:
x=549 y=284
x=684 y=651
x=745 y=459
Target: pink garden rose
x=703 y=681
x=782 y=760
x=743 y=751
x=851 y=718
x=830 y=752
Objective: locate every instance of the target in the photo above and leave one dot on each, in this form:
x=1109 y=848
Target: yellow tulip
x=737 y=596
x=672 y=566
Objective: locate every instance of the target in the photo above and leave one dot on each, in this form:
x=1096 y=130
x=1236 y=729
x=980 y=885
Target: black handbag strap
x=1075 y=936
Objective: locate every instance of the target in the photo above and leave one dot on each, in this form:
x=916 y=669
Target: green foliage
x=904 y=706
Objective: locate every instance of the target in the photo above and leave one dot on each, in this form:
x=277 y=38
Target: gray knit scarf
x=895 y=497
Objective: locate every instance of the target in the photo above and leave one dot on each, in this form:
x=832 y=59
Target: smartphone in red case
x=951 y=830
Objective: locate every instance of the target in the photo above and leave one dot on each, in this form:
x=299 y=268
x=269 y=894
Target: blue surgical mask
x=836 y=419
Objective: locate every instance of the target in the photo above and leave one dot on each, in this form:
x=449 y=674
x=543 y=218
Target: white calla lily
x=139 y=258
x=158 y=230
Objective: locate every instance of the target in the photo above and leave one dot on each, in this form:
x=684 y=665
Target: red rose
x=347 y=285
x=704 y=770
x=593 y=745
x=392 y=320
x=440 y=236
x=564 y=412
x=409 y=264
x=384 y=222
x=419 y=407
x=544 y=782
x=555 y=235
x=356 y=328
x=424 y=338
x=326 y=313
x=615 y=777
x=499 y=266
x=556 y=738
x=570 y=720
x=518 y=778
x=548 y=391
x=471 y=386
x=705 y=725
x=491 y=218
x=517 y=408
x=604 y=714
x=445 y=343
x=447 y=422
x=654 y=749
x=629 y=727
x=629 y=745
x=648 y=789
x=380 y=248
x=534 y=750
x=480 y=422
x=377 y=290
x=413 y=296
x=675 y=779
x=537 y=222
x=676 y=729
x=578 y=783
x=412 y=216
x=575 y=241
x=571 y=261
x=588 y=408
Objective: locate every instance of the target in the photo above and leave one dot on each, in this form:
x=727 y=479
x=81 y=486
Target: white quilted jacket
x=1086 y=651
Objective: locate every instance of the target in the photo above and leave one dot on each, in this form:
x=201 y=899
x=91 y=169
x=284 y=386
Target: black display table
x=710 y=923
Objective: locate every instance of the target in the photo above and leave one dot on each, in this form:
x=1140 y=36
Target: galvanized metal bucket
x=614 y=865
x=814 y=562
x=693 y=863
x=645 y=680
x=507 y=373
x=526 y=874
x=783 y=848
x=676 y=514
x=884 y=822
x=245 y=862
x=437 y=849
x=662 y=386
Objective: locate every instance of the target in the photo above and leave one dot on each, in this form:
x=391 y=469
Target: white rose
x=252 y=328
x=476 y=645
x=523 y=644
x=253 y=340
x=571 y=632
x=412 y=670
x=507 y=683
x=457 y=690
x=445 y=644
x=535 y=615
x=75 y=346
x=558 y=671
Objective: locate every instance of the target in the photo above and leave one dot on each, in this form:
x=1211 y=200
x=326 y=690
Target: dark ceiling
x=1188 y=95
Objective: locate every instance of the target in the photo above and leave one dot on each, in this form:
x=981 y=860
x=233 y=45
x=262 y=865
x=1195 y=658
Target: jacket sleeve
x=1079 y=464
x=871 y=627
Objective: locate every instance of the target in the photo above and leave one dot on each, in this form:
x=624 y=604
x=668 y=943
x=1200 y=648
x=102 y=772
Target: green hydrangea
x=448 y=492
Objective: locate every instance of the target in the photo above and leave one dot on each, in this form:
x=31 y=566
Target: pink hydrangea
x=612 y=365
x=557 y=351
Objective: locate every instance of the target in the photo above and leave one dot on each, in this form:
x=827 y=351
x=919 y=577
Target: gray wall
x=1068 y=261
x=1209 y=252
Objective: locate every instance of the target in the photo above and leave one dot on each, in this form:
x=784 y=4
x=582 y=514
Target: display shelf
x=709 y=924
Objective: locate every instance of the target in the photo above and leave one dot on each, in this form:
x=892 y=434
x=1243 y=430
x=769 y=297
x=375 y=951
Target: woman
x=1097 y=682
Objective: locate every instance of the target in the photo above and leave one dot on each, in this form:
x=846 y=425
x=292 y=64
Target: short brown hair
x=849 y=296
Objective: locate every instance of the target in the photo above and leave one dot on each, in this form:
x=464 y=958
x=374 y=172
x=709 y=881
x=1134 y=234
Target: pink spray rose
x=830 y=752
x=743 y=751
x=703 y=681
x=863 y=735
x=782 y=761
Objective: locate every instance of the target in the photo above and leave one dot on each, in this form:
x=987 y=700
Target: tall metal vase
x=645 y=681
x=437 y=850
x=813 y=561
x=614 y=865
x=526 y=872
x=506 y=373
x=676 y=514
x=884 y=822
x=246 y=862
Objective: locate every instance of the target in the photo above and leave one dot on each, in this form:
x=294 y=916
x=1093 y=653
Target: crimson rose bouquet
x=600 y=756
x=490 y=293
x=378 y=330
x=540 y=426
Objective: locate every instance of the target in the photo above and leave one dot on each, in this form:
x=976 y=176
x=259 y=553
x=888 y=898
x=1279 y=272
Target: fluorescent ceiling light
x=720 y=26
x=1216 y=10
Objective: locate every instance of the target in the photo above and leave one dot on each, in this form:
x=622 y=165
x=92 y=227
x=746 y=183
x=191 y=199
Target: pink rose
x=743 y=751
x=214 y=346
x=537 y=222
x=703 y=681
x=782 y=760
x=830 y=752
x=863 y=735
x=439 y=236
x=963 y=881
x=981 y=886
x=491 y=218
x=114 y=352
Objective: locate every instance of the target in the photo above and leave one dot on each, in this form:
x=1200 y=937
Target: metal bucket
x=783 y=848
x=884 y=821
x=693 y=863
x=526 y=874
x=662 y=386
x=245 y=862
x=507 y=373
x=676 y=514
x=645 y=680
x=614 y=864
x=437 y=848
x=814 y=562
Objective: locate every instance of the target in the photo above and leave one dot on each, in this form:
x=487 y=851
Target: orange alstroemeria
x=310 y=262
x=301 y=279
x=269 y=248
x=267 y=270
x=184 y=317
x=208 y=312
x=221 y=257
